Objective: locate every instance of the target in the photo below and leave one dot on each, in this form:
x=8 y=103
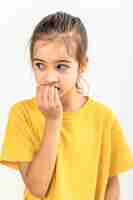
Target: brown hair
x=67 y=28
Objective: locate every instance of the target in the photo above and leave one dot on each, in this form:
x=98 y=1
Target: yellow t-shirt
x=92 y=148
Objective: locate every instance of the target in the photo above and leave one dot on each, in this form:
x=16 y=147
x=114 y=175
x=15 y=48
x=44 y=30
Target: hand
x=49 y=102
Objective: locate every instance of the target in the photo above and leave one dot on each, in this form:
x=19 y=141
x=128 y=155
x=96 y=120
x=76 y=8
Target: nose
x=50 y=78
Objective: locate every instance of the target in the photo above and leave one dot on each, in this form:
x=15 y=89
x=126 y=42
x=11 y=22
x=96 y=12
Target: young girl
x=65 y=144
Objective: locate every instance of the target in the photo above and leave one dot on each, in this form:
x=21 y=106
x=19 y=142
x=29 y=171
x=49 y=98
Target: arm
x=113 y=189
x=38 y=174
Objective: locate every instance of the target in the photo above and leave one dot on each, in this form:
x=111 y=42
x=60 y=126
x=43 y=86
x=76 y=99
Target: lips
x=57 y=88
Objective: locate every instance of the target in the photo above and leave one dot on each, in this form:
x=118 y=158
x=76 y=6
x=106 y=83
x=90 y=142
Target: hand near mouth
x=49 y=102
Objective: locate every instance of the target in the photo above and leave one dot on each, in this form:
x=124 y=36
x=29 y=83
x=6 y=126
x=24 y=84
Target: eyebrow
x=61 y=60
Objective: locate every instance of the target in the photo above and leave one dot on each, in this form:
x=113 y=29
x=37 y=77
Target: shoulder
x=103 y=110
x=23 y=105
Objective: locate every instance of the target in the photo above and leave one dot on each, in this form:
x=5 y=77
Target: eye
x=60 y=66
x=39 y=65
x=63 y=66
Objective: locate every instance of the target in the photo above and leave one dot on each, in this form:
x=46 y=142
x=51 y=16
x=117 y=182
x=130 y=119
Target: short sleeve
x=18 y=145
x=121 y=154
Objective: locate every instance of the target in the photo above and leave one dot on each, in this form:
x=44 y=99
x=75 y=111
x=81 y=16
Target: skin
x=52 y=72
x=113 y=189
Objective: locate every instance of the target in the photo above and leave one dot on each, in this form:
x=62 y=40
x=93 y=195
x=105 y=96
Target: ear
x=83 y=65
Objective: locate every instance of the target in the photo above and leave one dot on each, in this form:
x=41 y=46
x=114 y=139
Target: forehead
x=53 y=49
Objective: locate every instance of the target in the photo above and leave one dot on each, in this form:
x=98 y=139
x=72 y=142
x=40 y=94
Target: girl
x=65 y=144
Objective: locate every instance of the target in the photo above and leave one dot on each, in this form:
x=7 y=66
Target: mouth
x=57 y=88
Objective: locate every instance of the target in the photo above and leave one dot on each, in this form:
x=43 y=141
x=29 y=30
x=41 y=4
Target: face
x=53 y=66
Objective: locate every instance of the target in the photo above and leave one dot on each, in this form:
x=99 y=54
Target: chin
x=65 y=93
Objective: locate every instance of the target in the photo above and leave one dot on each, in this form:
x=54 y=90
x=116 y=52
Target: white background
x=109 y=26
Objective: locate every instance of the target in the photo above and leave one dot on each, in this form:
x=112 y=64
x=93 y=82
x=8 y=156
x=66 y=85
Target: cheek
x=69 y=82
x=71 y=77
x=38 y=77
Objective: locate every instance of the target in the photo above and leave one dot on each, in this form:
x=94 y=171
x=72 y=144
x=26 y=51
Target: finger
x=55 y=94
x=45 y=95
x=51 y=95
x=39 y=96
x=56 y=97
